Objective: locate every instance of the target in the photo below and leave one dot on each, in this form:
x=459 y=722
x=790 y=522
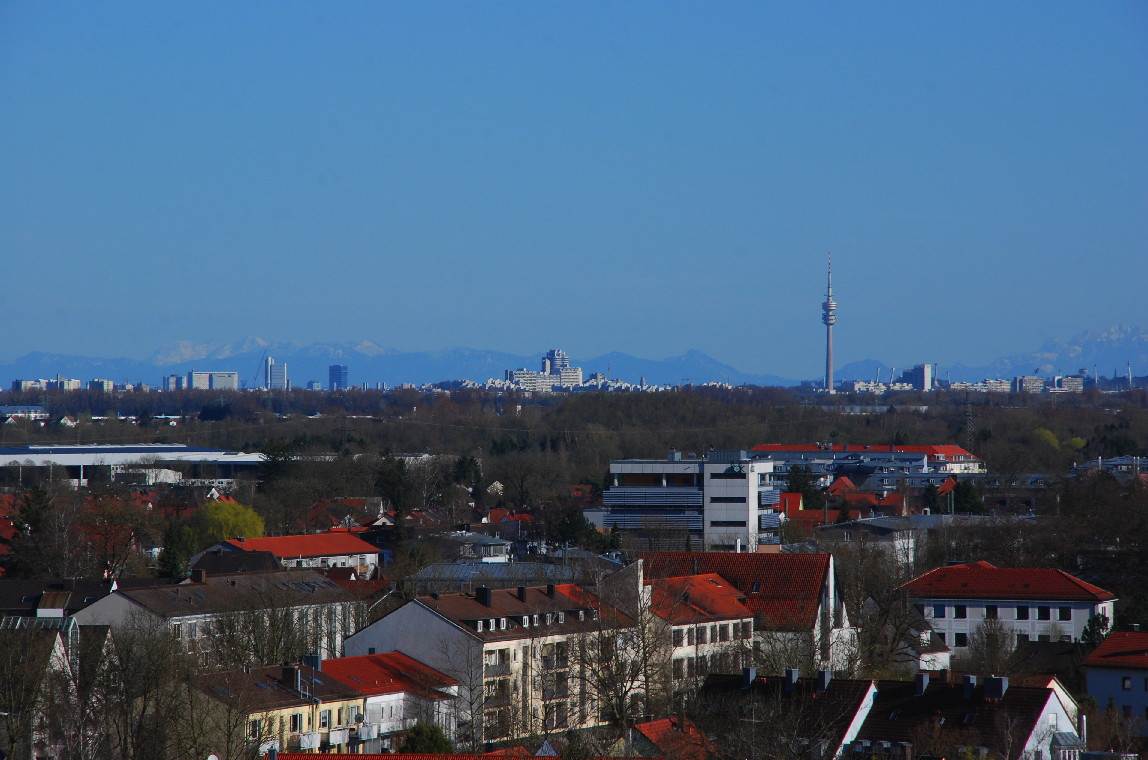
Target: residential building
x=797 y=607
x=1032 y=603
x=710 y=629
x=1027 y=384
x=288 y=707
x=399 y=691
x=214 y=381
x=174 y=382
x=985 y=717
x=108 y=462
x=106 y=386
x=517 y=654
x=314 y=550
x=556 y=371
x=229 y=617
x=1116 y=674
x=337 y=377
x=946 y=458
x=34 y=413
x=919 y=377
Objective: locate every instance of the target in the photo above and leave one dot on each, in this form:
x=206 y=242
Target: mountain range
x=1103 y=351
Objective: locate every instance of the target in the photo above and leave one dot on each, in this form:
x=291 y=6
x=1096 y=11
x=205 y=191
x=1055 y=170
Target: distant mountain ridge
x=1106 y=351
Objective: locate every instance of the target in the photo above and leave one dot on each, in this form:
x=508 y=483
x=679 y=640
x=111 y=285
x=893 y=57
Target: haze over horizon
x=594 y=177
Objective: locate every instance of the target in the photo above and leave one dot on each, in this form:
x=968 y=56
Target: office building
x=337 y=377
x=214 y=381
x=275 y=375
x=920 y=377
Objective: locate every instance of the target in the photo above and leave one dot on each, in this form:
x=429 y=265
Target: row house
x=291 y=612
x=519 y=654
x=1034 y=604
x=795 y=600
x=286 y=707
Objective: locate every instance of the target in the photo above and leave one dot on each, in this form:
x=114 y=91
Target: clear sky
x=634 y=176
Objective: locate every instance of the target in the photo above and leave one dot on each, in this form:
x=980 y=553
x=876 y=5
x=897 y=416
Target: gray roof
x=229 y=593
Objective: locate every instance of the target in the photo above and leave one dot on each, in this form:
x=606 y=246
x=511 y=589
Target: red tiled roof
x=949 y=451
x=782 y=590
x=948 y=486
x=388 y=673
x=677 y=738
x=982 y=580
x=840 y=486
x=1122 y=649
x=308 y=545
x=696 y=598
x=789 y=502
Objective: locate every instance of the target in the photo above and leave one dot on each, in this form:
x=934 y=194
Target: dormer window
x=502 y=624
x=525 y=621
x=581 y=614
x=549 y=618
x=478 y=625
x=535 y=619
x=492 y=624
x=561 y=617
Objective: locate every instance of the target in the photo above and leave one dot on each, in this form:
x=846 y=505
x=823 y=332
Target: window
x=253 y=731
x=177 y=630
x=370 y=650
x=192 y=630
x=960 y=639
x=703 y=635
x=1021 y=639
x=1064 y=613
x=1022 y=613
x=727 y=523
x=990 y=612
x=679 y=668
x=727 y=500
x=324 y=719
x=1044 y=613
x=960 y=612
x=502 y=624
x=938 y=610
x=678 y=637
x=1126 y=683
x=478 y=626
x=297 y=723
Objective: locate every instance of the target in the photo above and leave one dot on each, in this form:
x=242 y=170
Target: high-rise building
x=337 y=377
x=920 y=377
x=829 y=317
x=275 y=375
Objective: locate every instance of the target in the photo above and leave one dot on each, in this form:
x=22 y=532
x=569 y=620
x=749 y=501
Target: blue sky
x=642 y=177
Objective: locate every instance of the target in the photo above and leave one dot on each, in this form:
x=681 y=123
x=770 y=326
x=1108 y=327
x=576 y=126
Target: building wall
x=960 y=617
x=1124 y=688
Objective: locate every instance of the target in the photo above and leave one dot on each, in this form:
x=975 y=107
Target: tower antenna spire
x=829 y=317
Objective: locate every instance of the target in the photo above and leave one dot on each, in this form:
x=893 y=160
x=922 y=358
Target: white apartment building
x=1036 y=604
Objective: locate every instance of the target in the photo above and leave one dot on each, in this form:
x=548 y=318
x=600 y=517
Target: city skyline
x=595 y=177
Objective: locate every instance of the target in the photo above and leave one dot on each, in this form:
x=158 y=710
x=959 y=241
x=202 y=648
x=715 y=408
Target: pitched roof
x=568 y=598
x=983 y=580
x=1122 y=649
x=782 y=590
x=388 y=673
x=306 y=545
x=275 y=687
x=840 y=486
x=943 y=712
x=696 y=599
x=677 y=738
x=227 y=593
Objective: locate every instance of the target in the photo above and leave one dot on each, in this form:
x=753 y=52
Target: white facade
x=1029 y=620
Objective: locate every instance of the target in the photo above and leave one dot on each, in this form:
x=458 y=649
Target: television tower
x=829 y=317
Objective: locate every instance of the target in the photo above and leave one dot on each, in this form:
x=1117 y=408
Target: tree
x=990 y=649
x=1095 y=630
x=427 y=739
x=220 y=520
x=800 y=479
x=967 y=498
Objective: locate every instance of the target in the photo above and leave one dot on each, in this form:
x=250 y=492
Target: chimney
x=550 y=590
x=791 y=675
x=522 y=593
x=995 y=688
x=970 y=685
x=482 y=595
x=921 y=682
x=199 y=576
x=823 y=678
x=748 y=676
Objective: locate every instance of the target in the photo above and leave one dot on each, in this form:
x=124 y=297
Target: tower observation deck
x=829 y=317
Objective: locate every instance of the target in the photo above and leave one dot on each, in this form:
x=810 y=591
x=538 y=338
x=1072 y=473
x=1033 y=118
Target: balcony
x=670 y=496
x=499 y=669
x=555 y=662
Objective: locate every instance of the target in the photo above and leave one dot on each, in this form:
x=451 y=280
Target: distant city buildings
x=212 y=381
x=275 y=375
x=556 y=372
x=337 y=377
